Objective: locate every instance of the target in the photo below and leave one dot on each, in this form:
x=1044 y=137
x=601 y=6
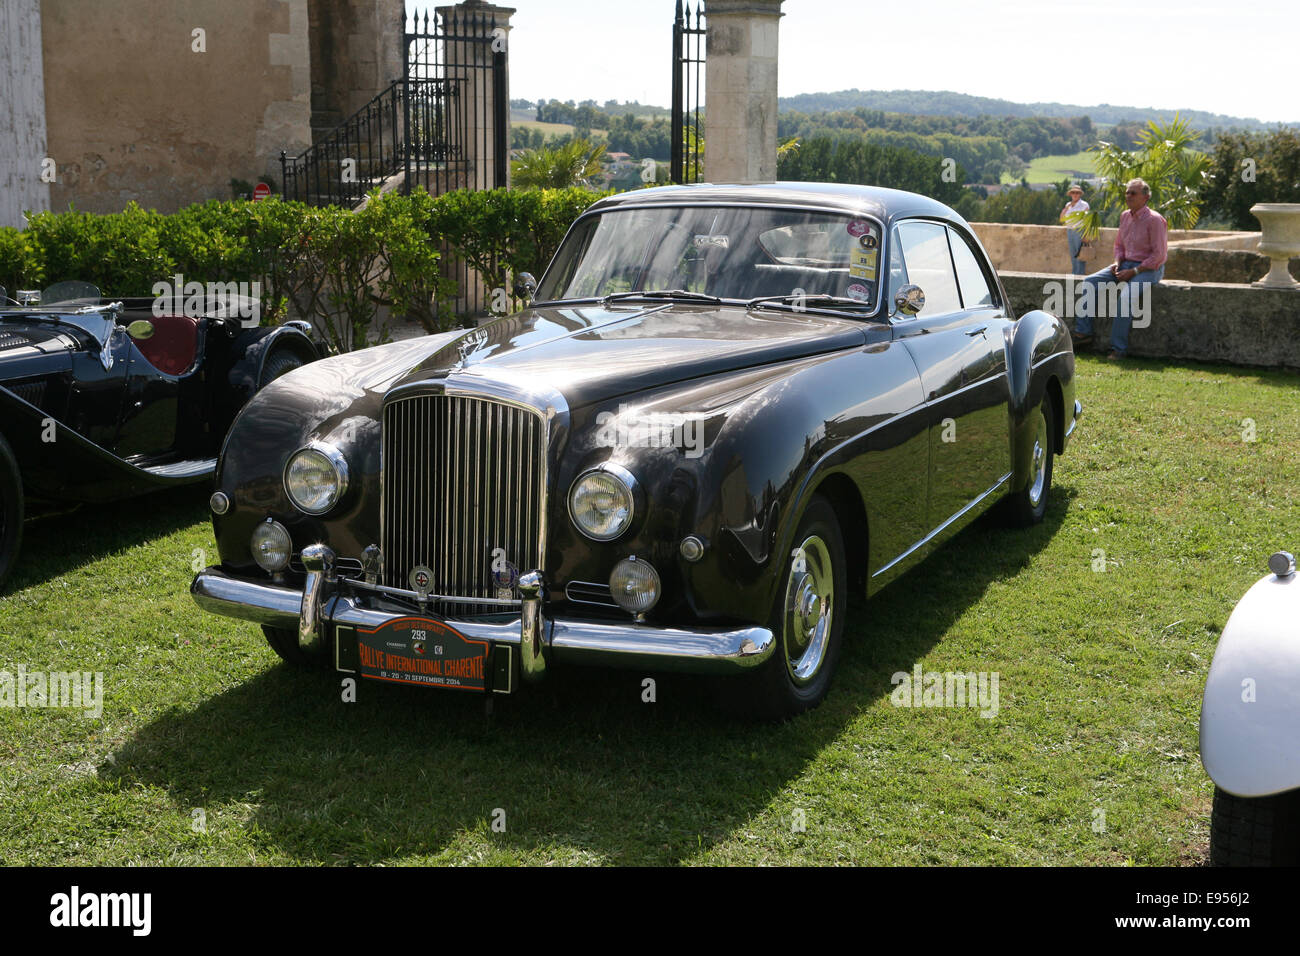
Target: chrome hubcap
x=809 y=601
x=1038 y=467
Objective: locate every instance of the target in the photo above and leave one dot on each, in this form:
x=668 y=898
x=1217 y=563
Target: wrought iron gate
x=688 y=65
x=444 y=124
x=456 y=110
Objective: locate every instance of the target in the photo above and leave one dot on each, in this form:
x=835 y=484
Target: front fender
x=253 y=347
x=1039 y=352
x=1250 y=714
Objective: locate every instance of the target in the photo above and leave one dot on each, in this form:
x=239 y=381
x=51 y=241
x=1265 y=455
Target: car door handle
x=980 y=331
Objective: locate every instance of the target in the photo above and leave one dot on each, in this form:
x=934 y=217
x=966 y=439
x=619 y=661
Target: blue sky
x=1226 y=56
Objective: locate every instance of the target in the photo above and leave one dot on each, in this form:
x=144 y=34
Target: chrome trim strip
x=1078 y=413
x=704 y=650
x=939 y=530
x=593 y=589
x=1048 y=358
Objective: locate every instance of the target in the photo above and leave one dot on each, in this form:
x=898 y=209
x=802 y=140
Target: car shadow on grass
x=577 y=768
x=62 y=542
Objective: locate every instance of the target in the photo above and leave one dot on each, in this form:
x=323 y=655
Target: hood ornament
x=470 y=344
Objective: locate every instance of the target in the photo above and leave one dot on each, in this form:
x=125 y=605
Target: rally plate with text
x=416 y=650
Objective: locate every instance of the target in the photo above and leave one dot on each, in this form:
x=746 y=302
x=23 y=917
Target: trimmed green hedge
x=327 y=263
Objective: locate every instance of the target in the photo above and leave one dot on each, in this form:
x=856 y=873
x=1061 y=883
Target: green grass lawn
x=1091 y=759
x=1052 y=169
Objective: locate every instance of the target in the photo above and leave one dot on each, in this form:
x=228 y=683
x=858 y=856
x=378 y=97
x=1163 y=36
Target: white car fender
x=1250 y=715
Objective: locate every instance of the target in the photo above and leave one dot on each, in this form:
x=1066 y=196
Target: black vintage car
x=101 y=401
x=725 y=407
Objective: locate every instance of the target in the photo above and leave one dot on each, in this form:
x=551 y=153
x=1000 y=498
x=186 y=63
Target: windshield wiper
x=663 y=294
x=819 y=299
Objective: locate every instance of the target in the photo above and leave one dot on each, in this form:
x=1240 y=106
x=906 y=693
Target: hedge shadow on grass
x=580 y=765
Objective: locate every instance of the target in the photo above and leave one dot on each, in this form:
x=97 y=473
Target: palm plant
x=573 y=164
x=1166 y=161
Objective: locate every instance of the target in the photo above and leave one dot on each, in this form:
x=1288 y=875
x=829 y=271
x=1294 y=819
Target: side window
x=975 y=289
x=927 y=263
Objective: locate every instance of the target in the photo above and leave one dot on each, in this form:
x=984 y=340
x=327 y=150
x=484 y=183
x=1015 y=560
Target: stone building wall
x=140 y=108
x=356 y=51
x=22 y=112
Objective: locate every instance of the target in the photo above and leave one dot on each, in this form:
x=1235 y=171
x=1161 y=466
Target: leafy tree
x=1166 y=161
x=1249 y=168
x=824 y=159
x=572 y=164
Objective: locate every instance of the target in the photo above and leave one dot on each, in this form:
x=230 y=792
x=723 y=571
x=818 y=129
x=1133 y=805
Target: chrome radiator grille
x=462 y=478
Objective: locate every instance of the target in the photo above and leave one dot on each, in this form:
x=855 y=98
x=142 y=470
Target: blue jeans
x=1123 y=301
x=1075 y=239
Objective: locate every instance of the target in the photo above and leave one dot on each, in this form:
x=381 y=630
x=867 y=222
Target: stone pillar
x=740 y=91
x=469 y=64
x=22 y=113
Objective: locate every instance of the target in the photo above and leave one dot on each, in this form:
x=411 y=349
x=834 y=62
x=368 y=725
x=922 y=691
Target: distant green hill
x=946 y=103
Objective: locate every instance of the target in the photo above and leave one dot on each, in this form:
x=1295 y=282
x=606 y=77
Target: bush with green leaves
x=22 y=265
x=557 y=167
x=328 y=264
x=503 y=232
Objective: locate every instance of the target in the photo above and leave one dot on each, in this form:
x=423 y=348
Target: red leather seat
x=172 y=346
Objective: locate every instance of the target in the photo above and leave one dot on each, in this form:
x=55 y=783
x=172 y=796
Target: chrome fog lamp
x=271 y=546
x=602 y=502
x=316 y=478
x=634 y=585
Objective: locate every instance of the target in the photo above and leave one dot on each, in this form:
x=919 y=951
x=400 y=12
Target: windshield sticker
x=712 y=242
x=859 y=292
x=868 y=241
x=859 y=227
x=862 y=264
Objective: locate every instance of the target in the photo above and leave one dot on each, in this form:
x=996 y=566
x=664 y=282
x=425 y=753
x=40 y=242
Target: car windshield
x=791 y=257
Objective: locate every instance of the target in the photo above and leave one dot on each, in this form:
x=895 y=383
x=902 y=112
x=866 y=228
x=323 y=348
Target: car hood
x=592 y=353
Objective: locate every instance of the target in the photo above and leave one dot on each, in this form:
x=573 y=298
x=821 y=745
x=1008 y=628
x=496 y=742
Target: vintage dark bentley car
x=724 y=408
x=101 y=401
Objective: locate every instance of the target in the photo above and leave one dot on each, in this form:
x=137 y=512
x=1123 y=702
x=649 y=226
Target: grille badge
x=421 y=578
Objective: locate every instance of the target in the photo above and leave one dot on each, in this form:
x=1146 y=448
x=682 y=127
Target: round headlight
x=271 y=546
x=602 y=502
x=634 y=585
x=316 y=477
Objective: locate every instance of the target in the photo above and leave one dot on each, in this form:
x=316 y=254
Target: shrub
x=21 y=263
x=333 y=266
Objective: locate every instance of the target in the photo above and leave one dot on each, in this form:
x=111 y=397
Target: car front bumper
x=317 y=610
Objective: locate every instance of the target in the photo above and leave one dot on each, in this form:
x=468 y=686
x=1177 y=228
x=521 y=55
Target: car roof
x=885 y=204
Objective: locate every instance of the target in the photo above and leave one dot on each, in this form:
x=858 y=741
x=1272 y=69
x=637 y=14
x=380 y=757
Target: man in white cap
x=1075 y=237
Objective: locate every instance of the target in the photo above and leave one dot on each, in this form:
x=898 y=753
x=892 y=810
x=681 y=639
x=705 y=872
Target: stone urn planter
x=1281 y=222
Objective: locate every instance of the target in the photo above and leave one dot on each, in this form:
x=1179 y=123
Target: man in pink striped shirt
x=1141 y=248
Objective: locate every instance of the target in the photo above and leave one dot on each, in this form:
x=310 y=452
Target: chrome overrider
x=328 y=600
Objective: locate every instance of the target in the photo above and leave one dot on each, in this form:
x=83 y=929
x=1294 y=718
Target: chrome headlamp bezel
x=631 y=487
x=337 y=462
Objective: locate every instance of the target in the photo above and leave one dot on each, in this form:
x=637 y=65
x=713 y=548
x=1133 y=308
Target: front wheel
x=284 y=641
x=1255 y=831
x=807 y=619
x=11 y=510
x=1028 y=505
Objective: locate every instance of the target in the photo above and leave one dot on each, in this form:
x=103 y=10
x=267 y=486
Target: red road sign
x=260 y=192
